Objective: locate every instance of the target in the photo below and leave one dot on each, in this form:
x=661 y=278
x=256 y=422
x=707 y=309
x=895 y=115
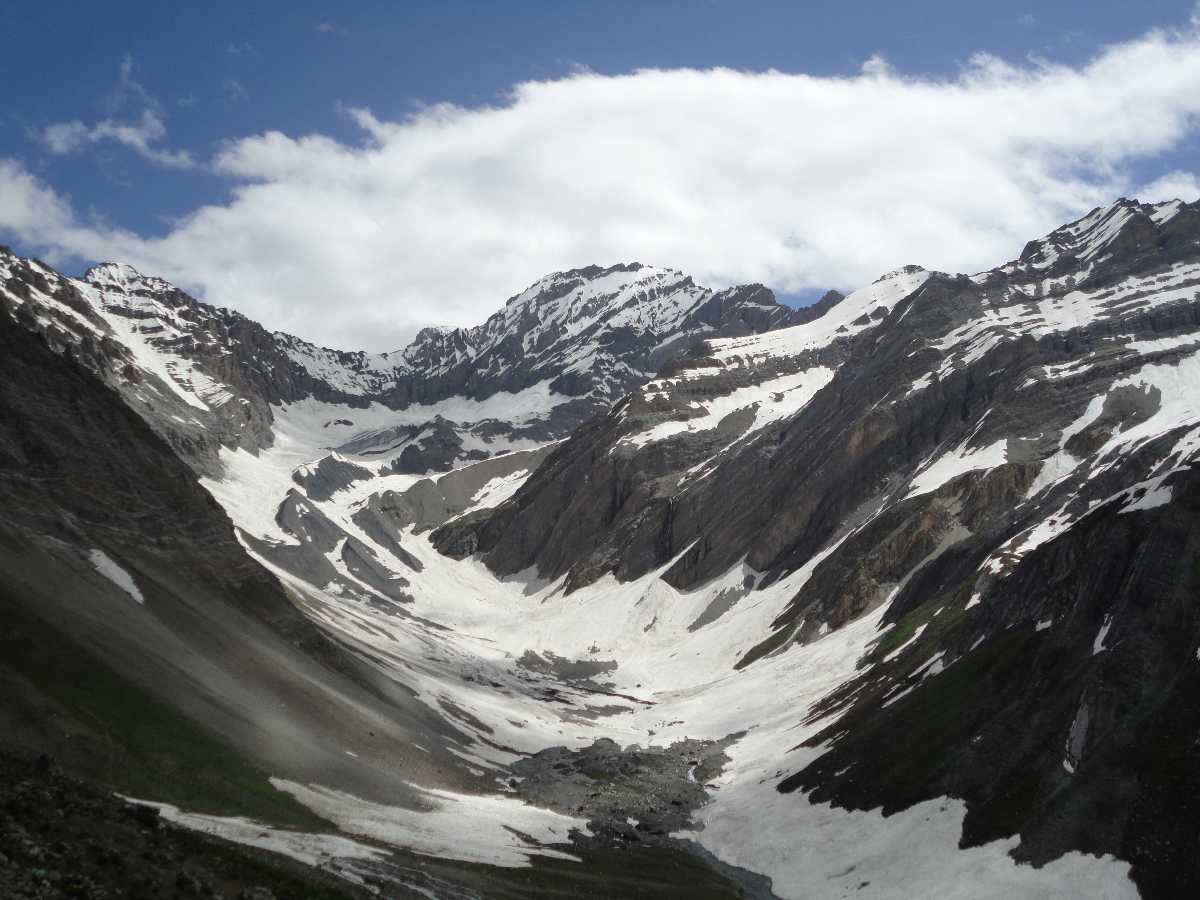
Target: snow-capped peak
x=652 y=299
x=546 y=286
x=125 y=278
x=1086 y=239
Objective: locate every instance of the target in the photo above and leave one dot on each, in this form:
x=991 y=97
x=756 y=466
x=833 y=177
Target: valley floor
x=661 y=743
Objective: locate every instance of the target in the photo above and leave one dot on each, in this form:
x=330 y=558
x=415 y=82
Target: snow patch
x=1098 y=643
x=840 y=321
x=957 y=462
x=105 y=565
x=467 y=827
x=772 y=400
x=330 y=852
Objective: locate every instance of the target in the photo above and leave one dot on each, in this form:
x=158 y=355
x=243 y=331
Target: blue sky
x=194 y=81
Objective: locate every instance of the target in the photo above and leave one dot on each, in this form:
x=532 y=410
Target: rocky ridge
x=208 y=378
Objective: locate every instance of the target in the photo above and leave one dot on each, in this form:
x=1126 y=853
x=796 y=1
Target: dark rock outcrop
x=1004 y=462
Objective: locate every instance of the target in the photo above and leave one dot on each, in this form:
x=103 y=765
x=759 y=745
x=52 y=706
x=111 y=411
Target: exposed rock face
x=329 y=475
x=80 y=466
x=1004 y=460
x=141 y=643
x=202 y=378
x=1073 y=722
x=430 y=502
x=828 y=301
x=627 y=491
x=945 y=363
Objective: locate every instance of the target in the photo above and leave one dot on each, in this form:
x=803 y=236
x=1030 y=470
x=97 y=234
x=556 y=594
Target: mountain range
x=637 y=589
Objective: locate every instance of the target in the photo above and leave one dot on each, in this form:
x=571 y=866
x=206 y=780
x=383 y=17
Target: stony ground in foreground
x=63 y=838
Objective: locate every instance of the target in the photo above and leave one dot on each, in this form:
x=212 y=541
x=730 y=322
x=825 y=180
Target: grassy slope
x=59 y=699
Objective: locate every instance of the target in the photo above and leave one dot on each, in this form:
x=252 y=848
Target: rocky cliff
x=1001 y=465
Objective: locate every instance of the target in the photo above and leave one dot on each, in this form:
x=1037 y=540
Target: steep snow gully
x=637 y=640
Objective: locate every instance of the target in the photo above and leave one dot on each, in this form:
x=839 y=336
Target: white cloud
x=1177 y=185
x=140 y=131
x=139 y=135
x=792 y=180
x=35 y=213
x=235 y=91
x=128 y=91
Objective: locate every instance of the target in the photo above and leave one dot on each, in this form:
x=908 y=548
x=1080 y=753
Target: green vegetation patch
x=67 y=703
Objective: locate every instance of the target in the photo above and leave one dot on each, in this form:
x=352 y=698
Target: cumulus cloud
x=796 y=181
x=135 y=121
x=1176 y=185
x=32 y=211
